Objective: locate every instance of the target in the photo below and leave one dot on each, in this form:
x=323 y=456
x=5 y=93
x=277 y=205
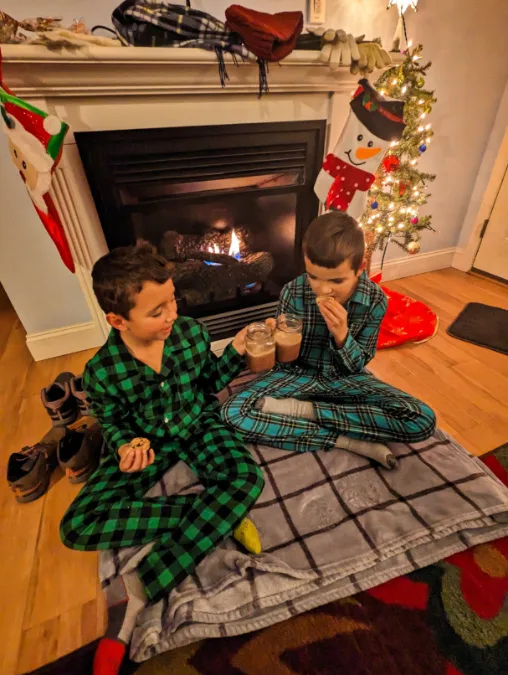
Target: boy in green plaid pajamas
x=156 y=378
x=327 y=399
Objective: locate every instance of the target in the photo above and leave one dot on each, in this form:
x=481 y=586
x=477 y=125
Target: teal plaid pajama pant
x=359 y=406
x=112 y=512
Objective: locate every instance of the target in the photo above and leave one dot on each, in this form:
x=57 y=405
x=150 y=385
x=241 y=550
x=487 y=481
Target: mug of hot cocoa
x=260 y=348
x=288 y=338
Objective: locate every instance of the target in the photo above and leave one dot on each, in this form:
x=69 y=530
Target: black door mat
x=482 y=325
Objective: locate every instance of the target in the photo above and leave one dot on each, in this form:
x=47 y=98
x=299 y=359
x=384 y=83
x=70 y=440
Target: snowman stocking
x=348 y=173
x=35 y=142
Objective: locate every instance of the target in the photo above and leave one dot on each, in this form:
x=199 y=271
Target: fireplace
x=226 y=205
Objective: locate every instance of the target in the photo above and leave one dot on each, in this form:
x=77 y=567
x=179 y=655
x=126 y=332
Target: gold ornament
x=413 y=247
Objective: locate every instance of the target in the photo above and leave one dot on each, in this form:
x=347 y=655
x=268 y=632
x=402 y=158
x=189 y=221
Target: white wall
x=465 y=39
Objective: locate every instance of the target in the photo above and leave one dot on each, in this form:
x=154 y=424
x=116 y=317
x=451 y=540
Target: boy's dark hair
x=332 y=238
x=120 y=274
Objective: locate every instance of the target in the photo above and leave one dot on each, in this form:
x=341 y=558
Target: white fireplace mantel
x=33 y=71
x=107 y=88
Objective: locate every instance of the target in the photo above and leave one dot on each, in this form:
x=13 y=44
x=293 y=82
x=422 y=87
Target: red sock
x=108 y=657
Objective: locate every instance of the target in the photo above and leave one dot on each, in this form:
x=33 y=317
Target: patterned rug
x=450 y=618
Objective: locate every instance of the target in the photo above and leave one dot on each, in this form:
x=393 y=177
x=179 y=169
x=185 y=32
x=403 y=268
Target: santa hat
x=381 y=116
x=38 y=137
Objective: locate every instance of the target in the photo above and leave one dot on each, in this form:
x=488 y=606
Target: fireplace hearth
x=226 y=205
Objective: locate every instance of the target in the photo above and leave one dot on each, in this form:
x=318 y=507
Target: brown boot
x=79 y=453
x=59 y=402
x=80 y=395
x=29 y=471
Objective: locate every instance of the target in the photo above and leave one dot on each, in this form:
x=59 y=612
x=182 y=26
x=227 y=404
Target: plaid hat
x=157 y=23
x=271 y=37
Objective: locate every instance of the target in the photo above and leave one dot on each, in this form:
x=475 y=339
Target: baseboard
x=51 y=343
x=407 y=266
x=462 y=260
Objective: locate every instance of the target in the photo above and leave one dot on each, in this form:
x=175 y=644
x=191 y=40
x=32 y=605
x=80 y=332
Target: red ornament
x=391 y=163
x=403 y=186
x=414 y=221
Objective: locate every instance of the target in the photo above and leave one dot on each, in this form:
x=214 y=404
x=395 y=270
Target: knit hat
x=381 y=116
x=271 y=37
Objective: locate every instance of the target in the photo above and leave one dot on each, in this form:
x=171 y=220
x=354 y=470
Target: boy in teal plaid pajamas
x=327 y=399
x=156 y=378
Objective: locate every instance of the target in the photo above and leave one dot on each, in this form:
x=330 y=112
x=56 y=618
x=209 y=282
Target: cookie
x=322 y=298
x=140 y=443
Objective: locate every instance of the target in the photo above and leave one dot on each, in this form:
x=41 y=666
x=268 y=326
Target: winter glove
x=341 y=48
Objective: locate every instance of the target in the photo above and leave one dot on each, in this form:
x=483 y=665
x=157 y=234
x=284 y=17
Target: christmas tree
x=400 y=189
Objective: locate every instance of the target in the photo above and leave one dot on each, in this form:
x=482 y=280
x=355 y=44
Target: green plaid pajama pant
x=111 y=510
x=359 y=406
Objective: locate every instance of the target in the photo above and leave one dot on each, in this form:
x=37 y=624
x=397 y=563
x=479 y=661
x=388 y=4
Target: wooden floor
x=50 y=598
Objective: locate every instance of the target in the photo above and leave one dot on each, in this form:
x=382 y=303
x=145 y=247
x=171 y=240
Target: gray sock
x=377 y=451
x=125 y=598
x=287 y=406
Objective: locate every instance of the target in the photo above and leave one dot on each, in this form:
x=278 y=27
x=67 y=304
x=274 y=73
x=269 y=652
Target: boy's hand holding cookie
x=136 y=455
x=336 y=319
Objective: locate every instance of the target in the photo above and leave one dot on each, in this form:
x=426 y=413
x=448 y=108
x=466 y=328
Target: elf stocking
x=35 y=142
x=347 y=174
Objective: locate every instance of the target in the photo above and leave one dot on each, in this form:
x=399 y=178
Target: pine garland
x=397 y=195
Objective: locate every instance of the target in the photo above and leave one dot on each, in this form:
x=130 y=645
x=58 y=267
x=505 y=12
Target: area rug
x=450 y=618
x=482 y=325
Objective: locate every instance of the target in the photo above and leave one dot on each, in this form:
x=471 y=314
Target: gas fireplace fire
x=215 y=267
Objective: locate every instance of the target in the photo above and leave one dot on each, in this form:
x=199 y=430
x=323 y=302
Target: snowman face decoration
x=359 y=147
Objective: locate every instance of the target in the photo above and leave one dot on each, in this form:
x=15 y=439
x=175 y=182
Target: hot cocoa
x=288 y=338
x=288 y=346
x=260 y=348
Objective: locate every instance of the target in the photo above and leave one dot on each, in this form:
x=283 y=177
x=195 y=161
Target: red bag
x=406 y=319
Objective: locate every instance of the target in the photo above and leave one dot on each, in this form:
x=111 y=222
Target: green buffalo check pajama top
x=178 y=412
x=347 y=399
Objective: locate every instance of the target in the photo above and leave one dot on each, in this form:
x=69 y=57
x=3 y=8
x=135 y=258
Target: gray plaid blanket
x=331 y=524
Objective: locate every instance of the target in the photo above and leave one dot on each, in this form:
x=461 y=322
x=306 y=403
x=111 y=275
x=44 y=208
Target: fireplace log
x=196 y=281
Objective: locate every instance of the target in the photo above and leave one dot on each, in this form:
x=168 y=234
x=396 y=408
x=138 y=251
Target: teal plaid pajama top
x=366 y=309
x=130 y=399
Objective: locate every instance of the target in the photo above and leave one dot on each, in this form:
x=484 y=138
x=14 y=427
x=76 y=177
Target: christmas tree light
x=400 y=188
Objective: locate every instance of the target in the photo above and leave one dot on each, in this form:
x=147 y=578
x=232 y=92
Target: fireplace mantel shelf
x=35 y=71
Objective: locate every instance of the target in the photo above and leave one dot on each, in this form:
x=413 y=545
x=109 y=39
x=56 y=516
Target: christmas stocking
x=347 y=174
x=35 y=142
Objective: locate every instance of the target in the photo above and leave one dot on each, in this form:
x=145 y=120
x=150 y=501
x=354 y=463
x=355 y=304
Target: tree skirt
x=450 y=618
x=406 y=319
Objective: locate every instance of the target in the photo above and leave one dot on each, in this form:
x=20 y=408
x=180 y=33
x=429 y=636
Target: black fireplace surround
x=226 y=205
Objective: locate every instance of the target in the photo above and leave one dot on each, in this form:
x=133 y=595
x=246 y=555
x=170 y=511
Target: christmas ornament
x=391 y=163
x=35 y=143
x=414 y=221
x=422 y=148
x=413 y=247
x=420 y=82
x=403 y=187
x=406 y=319
x=374 y=205
x=348 y=172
